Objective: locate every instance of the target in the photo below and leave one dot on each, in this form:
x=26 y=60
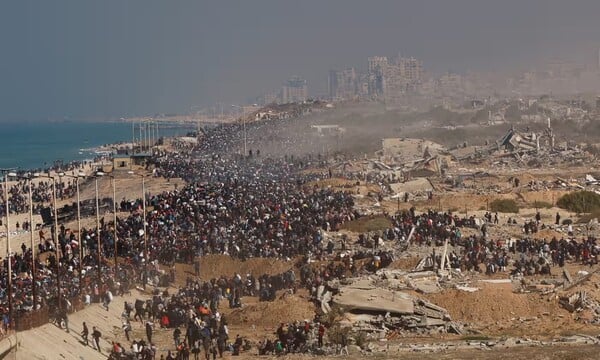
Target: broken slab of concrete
x=567 y=275
x=374 y=299
x=574 y=301
x=416 y=186
x=425 y=282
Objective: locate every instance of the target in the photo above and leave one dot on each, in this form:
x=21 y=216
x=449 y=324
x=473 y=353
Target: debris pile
x=376 y=309
x=580 y=302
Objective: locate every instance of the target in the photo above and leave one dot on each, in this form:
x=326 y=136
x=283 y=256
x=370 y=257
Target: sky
x=81 y=59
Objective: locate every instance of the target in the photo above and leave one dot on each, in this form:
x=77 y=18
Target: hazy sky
x=112 y=58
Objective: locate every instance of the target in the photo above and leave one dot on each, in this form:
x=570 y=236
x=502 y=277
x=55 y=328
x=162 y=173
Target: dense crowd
x=478 y=252
x=241 y=206
x=41 y=190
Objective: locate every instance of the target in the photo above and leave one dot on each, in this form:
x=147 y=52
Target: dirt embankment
x=214 y=266
x=496 y=310
x=267 y=315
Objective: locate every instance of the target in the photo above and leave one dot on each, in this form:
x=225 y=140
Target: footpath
x=49 y=342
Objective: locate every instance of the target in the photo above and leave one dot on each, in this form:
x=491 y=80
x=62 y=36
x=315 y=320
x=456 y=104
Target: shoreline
x=21 y=155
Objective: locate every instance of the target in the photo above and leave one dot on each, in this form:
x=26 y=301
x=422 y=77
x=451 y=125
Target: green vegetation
x=580 y=202
x=368 y=223
x=542 y=205
x=504 y=206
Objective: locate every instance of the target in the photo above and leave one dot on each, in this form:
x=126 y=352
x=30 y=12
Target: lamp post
x=146 y=259
x=33 y=269
x=244 y=125
x=114 y=180
x=98 y=174
x=57 y=243
x=77 y=177
x=29 y=179
x=8 y=261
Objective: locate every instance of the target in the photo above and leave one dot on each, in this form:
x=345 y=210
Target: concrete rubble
x=378 y=305
x=579 y=302
x=487 y=344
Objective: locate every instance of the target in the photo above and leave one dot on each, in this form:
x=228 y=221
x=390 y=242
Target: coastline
x=38 y=146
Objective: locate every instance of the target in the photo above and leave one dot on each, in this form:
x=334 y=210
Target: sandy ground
x=50 y=342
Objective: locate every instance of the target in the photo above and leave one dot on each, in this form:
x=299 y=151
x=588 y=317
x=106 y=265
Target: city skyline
x=118 y=59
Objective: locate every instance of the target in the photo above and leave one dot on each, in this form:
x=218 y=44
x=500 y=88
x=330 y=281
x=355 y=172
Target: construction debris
x=377 y=309
x=574 y=302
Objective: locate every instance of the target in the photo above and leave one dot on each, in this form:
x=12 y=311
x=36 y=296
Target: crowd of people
x=478 y=252
x=41 y=190
x=243 y=206
x=240 y=206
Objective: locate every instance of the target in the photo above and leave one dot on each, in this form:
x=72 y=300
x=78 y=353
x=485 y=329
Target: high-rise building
x=395 y=83
x=332 y=83
x=377 y=63
x=393 y=80
x=295 y=90
x=377 y=68
x=412 y=69
x=343 y=84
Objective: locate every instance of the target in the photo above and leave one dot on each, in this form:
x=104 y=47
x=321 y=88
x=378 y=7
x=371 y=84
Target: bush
x=504 y=206
x=542 y=205
x=580 y=202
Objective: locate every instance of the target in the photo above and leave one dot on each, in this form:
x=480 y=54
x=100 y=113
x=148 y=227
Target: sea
x=37 y=145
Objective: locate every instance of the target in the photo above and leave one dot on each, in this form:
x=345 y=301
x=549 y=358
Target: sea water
x=38 y=145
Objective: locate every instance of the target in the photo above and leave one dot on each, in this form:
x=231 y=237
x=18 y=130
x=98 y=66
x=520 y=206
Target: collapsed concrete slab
x=416 y=186
x=380 y=310
x=425 y=282
x=374 y=299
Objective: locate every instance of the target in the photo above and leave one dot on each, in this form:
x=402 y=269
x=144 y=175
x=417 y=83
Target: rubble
x=425 y=282
x=376 y=309
x=579 y=302
x=574 y=302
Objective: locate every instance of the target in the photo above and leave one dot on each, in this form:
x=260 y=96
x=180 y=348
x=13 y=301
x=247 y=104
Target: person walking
x=176 y=336
x=65 y=317
x=108 y=297
x=127 y=309
x=321 y=333
x=85 y=333
x=149 y=328
x=96 y=335
x=127 y=328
